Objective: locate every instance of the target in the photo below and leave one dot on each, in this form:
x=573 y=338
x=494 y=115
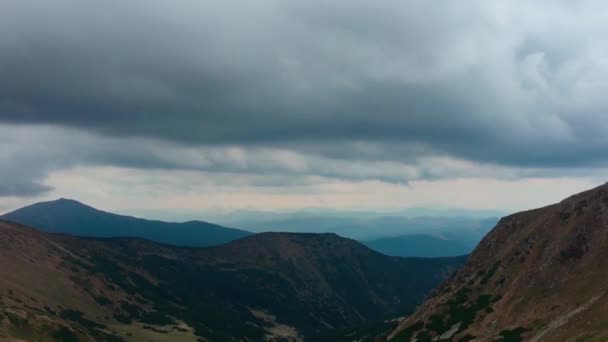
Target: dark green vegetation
x=489 y=274
x=458 y=312
x=63 y=334
x=513 y=335
x=74 y=218
x=407 y=334
x=275 y=284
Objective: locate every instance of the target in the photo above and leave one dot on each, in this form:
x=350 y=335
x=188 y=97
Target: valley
x=270 y=286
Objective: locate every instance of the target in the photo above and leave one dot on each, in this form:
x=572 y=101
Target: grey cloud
x=22 y=189
x=342 y=82
x=21 y=177
x=31 y=153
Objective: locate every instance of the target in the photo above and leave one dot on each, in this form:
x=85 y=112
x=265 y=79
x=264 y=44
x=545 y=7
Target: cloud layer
x=291 y=92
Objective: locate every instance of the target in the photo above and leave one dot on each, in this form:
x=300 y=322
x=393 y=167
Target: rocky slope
x=267 y=287
x=539 y=275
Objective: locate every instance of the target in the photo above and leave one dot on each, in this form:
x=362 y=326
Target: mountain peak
x=73 y=217
x=60 y=202
x=65 y=200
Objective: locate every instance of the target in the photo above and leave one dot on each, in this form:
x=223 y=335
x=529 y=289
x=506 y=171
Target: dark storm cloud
x=345 y=80
x=22 y=189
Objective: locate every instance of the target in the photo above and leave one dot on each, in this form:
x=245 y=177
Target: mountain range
x=368 y=226
x=406 y=237
x=538 y=275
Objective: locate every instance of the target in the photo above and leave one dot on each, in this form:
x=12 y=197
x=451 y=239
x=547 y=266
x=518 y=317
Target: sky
x=203 y=106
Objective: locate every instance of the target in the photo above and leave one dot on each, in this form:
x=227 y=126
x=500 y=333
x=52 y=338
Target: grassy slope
x=539 y=275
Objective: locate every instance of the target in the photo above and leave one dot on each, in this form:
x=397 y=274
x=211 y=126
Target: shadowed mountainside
x=267 y=287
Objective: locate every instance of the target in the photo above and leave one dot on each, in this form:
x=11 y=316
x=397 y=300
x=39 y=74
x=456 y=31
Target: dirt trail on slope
x=560 y=321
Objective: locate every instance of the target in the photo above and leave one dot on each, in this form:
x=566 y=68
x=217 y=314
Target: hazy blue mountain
x=72 y=217
x=365 y=226
x=442 y=237
x=421 y=246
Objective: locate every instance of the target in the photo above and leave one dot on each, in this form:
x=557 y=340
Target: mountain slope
x=539 y=275
x=274 y=286
x=72 y=217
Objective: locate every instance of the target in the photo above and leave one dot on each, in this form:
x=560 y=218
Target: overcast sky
x=274 y=105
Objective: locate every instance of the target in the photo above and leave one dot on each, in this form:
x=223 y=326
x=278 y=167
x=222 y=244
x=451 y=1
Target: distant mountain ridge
x=419 y=245
x=75 y=218
x=265 y=287
x=366 y=226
